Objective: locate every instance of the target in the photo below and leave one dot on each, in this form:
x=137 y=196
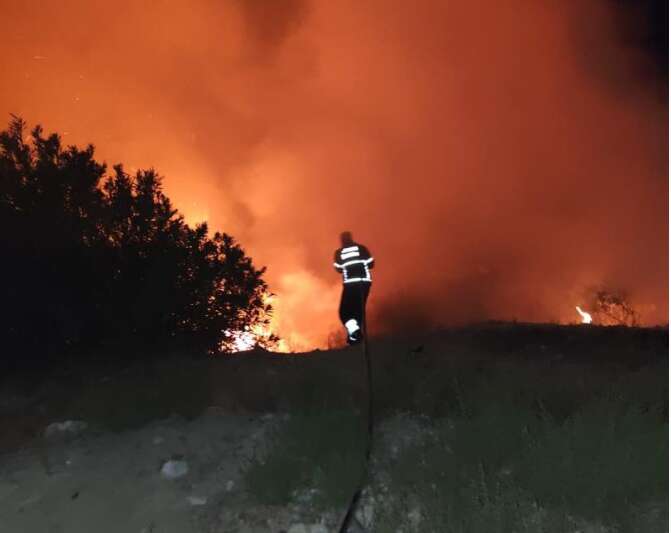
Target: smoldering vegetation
x=497 y=158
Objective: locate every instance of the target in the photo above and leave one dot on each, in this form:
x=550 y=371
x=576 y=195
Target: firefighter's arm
x=336 y=265
x=368 y=257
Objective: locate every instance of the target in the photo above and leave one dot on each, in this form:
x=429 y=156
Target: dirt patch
x=110 y=482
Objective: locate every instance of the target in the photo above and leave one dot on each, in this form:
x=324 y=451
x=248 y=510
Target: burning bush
x=613 y=308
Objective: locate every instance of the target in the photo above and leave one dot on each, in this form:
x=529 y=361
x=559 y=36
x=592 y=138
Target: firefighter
x=354 y=262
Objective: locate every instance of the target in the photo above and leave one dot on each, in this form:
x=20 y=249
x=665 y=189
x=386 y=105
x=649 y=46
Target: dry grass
x=578 y=416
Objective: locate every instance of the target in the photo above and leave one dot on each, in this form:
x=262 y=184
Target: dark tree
x=91 y=259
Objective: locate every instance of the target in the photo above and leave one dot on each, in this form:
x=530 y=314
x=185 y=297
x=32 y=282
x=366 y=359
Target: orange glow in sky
x=497 y=161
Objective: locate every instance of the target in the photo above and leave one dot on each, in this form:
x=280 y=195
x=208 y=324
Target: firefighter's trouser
x=353 y=306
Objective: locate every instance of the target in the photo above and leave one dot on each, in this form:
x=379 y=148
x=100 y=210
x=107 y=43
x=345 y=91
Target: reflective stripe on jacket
x=354 y=262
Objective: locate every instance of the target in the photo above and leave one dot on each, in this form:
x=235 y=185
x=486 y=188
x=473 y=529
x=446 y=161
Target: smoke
x=498 y=158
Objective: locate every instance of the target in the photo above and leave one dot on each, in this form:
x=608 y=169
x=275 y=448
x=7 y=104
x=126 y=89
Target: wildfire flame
x=586 y=317
x=250 y=337
x=242 y=340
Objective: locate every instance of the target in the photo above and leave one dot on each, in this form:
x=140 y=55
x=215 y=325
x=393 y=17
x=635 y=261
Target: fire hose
x=356 y=497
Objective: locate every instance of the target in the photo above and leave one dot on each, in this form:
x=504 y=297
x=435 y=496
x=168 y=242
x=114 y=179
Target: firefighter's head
x=346 y=238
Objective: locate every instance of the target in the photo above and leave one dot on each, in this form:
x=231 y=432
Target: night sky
x=498 y=158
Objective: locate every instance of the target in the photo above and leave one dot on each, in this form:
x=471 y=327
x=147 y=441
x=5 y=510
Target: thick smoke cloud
x=498 y=158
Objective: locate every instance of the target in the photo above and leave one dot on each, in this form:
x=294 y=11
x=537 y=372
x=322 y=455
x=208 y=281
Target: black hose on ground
x=354 y=502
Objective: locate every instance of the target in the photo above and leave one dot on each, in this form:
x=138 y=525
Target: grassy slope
x=576 y=418
x=532 y=428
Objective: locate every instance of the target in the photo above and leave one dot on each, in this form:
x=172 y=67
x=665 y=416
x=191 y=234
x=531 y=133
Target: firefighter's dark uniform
x=354 y=262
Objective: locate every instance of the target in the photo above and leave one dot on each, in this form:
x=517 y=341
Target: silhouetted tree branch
x=93 y=258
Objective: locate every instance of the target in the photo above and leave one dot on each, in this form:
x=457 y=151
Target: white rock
x=415 y=517
x=365 y=515
x=506 y=471
x=229 y=485
x=197 y=500
x=174 y=469
x=68 y=427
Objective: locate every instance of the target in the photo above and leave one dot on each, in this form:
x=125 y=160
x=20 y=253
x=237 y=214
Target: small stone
x=365 y=515
x=174 y=469
x=506 y=471
x=415 y=517
x=197 y=500
x=158 y=440
x=298 y=528
x=229 y=485
x=66 y=428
